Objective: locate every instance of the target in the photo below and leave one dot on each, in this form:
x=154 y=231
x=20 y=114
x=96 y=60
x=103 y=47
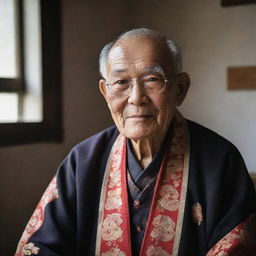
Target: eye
x=153 y=79
x=121 y=82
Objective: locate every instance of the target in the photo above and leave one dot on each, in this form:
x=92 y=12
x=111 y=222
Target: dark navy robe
x=218 y=180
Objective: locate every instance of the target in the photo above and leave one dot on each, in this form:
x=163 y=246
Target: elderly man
x=155 y=184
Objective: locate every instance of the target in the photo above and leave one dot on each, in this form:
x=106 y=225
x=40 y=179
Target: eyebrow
x=120 y=71
x=158 y=69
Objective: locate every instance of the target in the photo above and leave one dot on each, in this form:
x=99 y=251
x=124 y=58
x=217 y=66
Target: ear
x=183 y=85
x=102 y=87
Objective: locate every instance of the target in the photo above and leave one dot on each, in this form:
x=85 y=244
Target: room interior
x=212 y=39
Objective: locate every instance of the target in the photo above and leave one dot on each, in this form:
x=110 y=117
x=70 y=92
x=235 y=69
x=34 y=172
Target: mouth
x=140 y=117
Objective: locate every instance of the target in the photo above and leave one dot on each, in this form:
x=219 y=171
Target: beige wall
x=211 y=38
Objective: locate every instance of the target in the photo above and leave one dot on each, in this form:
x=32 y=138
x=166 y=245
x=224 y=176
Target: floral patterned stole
x=163 y=231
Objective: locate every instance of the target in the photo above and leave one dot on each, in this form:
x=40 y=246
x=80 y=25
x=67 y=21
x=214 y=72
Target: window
x=11 y=66
x=30 y=71
x=10 y=44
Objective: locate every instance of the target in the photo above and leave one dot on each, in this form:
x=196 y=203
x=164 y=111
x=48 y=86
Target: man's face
x=140 y=115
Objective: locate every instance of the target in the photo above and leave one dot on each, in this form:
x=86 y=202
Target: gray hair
x=175 y=53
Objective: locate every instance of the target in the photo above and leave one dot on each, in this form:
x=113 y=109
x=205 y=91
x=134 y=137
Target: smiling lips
x=140 y=117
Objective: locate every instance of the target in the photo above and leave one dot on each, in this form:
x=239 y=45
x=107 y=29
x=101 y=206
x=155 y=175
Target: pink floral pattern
x=239 y=241
x=112 y=233
x=230 y=241
x=29 y=249
x=161 y=228
x=114 y=252
x=111 y=229
x=156 y=251
x=168 y=198
x=197 y=213
x=114 y=200
x=36 y=220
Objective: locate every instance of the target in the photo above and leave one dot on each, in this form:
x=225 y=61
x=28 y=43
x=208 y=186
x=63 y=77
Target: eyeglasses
x=151 y=84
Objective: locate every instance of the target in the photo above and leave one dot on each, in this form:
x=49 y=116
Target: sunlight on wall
x=8 y=54
x=8 y=107
x=26 y=106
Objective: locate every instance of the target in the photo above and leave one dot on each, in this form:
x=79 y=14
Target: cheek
x=166 y=108
x=116 y=107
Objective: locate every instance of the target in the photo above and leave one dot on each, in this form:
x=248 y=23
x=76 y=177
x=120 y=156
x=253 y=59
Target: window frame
x=50 y=129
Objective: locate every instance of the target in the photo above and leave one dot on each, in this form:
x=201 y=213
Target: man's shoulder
x=93 y=149
x=206 y=138
x=102 y=138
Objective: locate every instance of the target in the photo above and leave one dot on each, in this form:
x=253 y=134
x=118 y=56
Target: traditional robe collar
x=163 y=232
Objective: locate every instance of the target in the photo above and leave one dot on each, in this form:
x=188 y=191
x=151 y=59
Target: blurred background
x=212 y=38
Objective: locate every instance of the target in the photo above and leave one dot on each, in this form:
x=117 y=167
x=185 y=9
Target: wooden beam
x=236 y=2
x=242 y=78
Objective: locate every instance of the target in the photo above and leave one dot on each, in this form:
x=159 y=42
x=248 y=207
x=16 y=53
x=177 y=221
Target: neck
x=145 y=149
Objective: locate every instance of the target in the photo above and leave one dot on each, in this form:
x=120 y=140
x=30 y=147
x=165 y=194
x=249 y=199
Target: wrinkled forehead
x=133 y=53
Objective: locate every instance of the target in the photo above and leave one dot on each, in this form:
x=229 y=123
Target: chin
x=139 y=133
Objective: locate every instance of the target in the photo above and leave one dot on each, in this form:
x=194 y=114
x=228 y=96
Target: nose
x=137 y=96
